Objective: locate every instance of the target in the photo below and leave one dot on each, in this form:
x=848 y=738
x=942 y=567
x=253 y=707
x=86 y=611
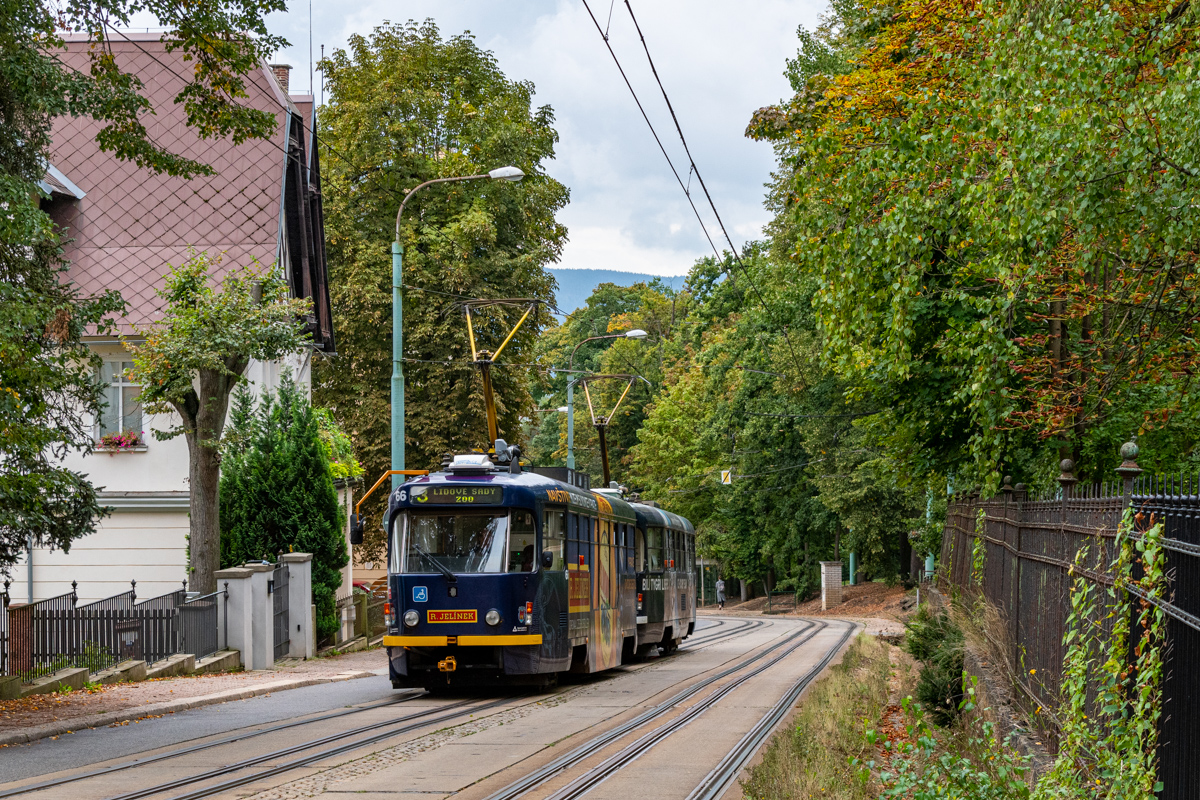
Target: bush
x=937 y=643
x=277 y=492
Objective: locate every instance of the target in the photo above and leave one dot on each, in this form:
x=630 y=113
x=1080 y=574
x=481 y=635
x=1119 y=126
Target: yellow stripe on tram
x=463 y=641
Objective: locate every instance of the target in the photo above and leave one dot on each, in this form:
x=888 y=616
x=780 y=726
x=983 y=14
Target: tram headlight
x=492 y=617
x=411 y=618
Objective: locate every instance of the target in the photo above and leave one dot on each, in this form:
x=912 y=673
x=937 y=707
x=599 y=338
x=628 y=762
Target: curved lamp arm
x=499 y=174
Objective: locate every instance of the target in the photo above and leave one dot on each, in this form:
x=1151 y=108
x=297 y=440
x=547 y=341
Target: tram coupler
x=448 y=664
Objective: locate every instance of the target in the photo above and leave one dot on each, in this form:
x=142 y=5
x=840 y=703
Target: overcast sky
x=719 y=62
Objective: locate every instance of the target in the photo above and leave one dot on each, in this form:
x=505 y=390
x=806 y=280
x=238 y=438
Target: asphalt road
x=102 y=744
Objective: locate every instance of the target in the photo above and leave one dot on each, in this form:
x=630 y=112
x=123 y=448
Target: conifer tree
x=277 y=492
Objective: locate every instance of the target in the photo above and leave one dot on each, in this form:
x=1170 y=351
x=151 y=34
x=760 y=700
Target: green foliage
x=406 y=106
x=277 y=492
x=979 y=550
x=989 y=217
x=206 y=331
x=193 y=358
x=338 y=448
x=971 y=766
x=935 y=641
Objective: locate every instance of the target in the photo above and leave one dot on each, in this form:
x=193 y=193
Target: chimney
x=281 y=75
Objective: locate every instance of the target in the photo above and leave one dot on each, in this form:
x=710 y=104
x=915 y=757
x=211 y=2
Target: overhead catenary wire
x=700 y=178
x=653 y=131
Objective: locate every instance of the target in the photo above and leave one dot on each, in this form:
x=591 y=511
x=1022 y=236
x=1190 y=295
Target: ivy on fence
x=1112 y=753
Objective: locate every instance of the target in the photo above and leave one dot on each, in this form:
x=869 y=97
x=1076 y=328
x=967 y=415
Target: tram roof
x=523 y=488
x=651 y=516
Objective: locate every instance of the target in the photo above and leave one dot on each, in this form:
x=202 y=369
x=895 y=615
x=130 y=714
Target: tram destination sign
x=459 y=495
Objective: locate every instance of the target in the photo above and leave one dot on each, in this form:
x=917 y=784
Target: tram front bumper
x=496 y=640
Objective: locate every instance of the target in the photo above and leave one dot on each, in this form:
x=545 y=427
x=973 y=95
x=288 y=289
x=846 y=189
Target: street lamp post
x=501 y=174
x=636 y=333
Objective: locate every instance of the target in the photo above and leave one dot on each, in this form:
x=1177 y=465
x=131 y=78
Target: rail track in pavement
x=728 y=768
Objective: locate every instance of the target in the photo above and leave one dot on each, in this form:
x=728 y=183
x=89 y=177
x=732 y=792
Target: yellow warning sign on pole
x=727 y=476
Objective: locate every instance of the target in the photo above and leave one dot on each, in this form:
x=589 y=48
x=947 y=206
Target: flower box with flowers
x=125 y=440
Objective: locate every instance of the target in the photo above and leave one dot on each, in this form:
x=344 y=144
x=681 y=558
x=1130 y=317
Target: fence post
x=301 y=634
x=1066 y=480
x=237 y=629
x=1129 y=470
x=262 y=614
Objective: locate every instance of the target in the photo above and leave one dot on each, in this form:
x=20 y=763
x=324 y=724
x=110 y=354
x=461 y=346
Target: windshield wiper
x=450 y=576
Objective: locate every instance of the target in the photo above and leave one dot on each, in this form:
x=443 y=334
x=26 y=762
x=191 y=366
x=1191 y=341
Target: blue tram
x=499 y=574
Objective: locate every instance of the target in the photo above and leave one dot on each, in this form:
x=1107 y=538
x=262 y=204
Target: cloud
x=719 y=62
x=612 y=248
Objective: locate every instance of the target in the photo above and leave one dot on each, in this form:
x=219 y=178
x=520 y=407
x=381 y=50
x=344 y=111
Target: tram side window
x=639 y=550
x=554 y=536
x=627 y=551
x=690 y=541
x=522 y=542
x=654 y=545
x=572 y=539
x=579 y=534
x=623 y=551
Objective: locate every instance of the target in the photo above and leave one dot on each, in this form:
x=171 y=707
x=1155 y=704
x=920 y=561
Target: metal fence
x=198 y=625
x=4 y=630
x=1028 y=546
x=278 y=590
x=57 y=633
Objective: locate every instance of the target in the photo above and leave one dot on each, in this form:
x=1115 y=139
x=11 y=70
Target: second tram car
x=498 y=574
x=665 y=552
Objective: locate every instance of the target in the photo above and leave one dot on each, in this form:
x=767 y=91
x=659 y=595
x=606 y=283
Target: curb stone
x=169 y=707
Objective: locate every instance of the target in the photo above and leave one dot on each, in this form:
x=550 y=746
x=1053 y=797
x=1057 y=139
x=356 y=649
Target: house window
x=122 y=412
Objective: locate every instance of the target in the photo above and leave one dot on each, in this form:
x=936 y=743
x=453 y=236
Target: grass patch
x=812 y=758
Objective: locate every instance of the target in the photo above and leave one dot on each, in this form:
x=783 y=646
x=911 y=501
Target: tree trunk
x=203 y=414
x=205 y=528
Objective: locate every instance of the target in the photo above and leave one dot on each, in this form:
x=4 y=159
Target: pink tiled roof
x=132 y=224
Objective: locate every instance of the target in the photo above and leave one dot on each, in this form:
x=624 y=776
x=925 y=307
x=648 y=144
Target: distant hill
x=576 y=285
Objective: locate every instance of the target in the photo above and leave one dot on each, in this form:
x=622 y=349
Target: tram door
x=579 y=579
x=606 y=650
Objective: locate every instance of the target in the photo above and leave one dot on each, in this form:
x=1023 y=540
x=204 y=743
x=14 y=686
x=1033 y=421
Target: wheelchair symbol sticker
x=420 y=594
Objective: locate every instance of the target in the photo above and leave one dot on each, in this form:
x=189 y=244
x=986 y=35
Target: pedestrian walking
x=720 y=594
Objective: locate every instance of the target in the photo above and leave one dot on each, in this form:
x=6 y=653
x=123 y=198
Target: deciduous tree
x=406 y=105
x=192 y=360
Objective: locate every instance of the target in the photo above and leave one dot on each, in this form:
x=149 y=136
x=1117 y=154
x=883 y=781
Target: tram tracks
x=378 y=731
x=719 y=779
x=655 y=736
x=288 y=766
x=699 y=642
x=598 y=743
x=237 y=737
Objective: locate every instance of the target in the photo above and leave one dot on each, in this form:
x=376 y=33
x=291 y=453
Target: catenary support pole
x=570 y=424
x=397 y=363
x=853 y=569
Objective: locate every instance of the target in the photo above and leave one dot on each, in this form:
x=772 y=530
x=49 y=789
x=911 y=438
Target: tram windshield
x=451 y=540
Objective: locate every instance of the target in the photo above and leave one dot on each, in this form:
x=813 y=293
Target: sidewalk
x=39 y=716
